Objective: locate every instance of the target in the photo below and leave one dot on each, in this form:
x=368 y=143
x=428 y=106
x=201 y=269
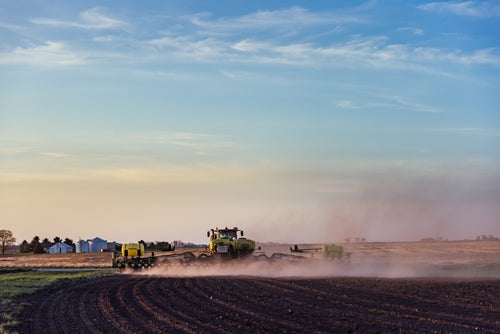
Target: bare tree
x=6 y=240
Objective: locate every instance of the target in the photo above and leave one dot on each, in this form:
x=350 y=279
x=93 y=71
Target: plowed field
x=148 y=304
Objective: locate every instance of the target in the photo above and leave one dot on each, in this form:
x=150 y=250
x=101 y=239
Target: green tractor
x=225 y=242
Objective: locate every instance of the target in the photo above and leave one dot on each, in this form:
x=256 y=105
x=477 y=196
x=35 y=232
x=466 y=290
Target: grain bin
x=82 y=246
x=96 y=244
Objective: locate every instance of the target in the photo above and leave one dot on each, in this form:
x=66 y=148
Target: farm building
x=60 y=247
x=82 y=246
x=96 y=244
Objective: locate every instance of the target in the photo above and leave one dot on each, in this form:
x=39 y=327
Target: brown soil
x=123 y=303
x=68 y=260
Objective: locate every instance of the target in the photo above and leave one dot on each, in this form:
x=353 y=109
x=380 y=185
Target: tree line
x=37 y=247
x=157 y=246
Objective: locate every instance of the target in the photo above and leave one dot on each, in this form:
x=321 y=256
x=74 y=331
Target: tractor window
x=227 y=234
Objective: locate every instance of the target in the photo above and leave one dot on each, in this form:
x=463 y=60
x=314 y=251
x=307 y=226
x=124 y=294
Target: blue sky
x=332 y=119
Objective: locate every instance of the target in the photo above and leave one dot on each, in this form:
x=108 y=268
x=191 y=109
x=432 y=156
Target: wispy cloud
x=54 y=54
x=367 y=51
x=51 y=53
x=239 y=39
x=247 y=45
x=477 y=9
x=186 y=139
x=489 y=56
x=56 y=155
x=470 y=131
x=13 y=27
x=188 y=48
x=89 y=19
x=395 y=102
x=288 y=19
x=257 y=38
x=412 y=105
x=169 y=174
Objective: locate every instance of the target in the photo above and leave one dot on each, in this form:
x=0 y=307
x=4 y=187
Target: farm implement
x=225 y=246
x=333 y=252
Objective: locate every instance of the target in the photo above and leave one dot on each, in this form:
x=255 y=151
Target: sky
x=296 y=121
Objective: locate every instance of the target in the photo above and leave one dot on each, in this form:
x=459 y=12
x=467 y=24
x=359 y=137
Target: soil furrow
x=149 y=304
x=234 y=304
x=197 y=310
x=154 y=291
x=255 y=306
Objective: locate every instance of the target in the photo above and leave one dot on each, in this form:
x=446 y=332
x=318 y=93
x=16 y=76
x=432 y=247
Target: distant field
x=455 y=251
x=70 y=260
x=446 y=250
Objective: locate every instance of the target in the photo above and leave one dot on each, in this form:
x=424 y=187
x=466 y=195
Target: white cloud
x=371 y=51
x=250 y=46
x=229 y=44
x=387 y=103
x=284 y=19
x=478 y=9
x=411 y=105
x=89 y=19
x=489 y=56
x=13 y=27
x=188 y=48
x=51 y=53
x=56 y=155
x=55 y=53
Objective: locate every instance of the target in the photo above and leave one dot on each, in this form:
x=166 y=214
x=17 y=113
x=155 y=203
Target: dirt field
x=124 y=303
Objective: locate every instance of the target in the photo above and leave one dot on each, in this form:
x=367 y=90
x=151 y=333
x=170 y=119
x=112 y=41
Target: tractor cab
x=226 y=242
x=231 y=234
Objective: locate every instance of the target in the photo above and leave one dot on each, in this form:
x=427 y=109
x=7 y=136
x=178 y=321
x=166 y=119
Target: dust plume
x=308 y=268
x=389 y=260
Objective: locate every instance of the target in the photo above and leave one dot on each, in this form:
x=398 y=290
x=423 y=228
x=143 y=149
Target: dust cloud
x=307 y=268
x=384 y=260
x=393 y=205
